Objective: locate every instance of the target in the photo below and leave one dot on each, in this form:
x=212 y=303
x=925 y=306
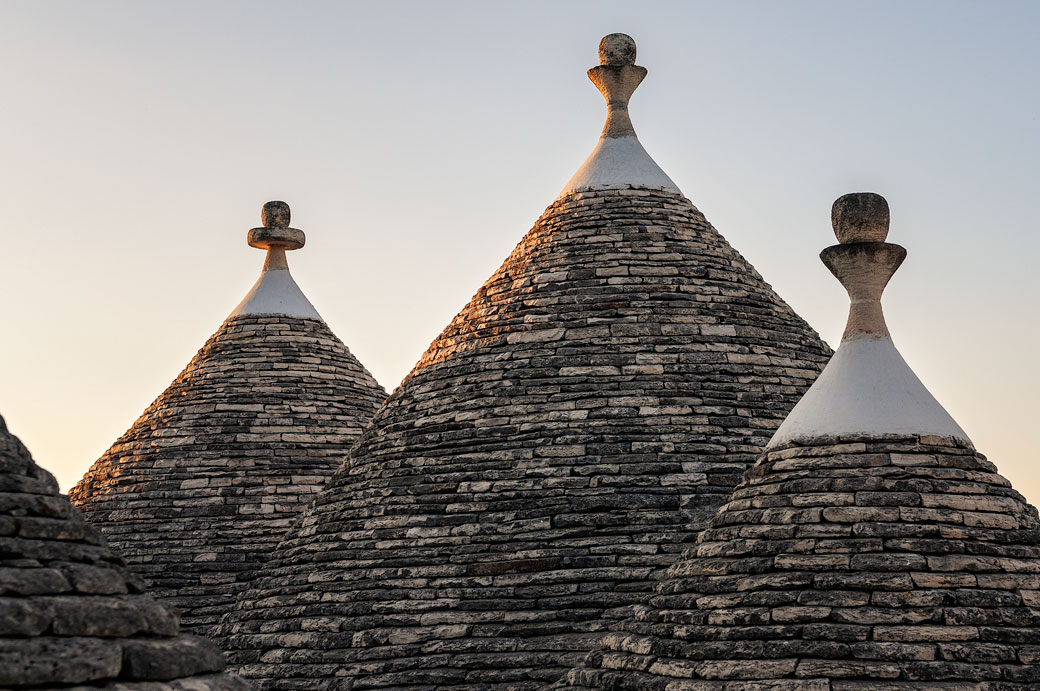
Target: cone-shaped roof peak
x=547 y=457
x=618 y=160
x=204 y=483
x=879 y=550
x=867 y=389
x=275 y=292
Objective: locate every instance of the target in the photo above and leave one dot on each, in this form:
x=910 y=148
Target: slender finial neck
x=276 y=233
x=617 y=77
x=863 y=261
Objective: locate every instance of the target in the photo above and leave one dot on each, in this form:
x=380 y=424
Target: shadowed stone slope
x=851 y=557
x=70 y=612
x=581 y=417
x=205 y=483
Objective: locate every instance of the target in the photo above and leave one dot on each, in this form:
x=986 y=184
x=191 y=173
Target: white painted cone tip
x=617 y=163
x=867 y=390
x=276 y=293
x=619 y=159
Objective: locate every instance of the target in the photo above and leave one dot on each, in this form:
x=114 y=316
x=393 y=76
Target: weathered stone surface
x=925 y=604
x=70 y=611
x=169 y=658
x=860 y=217
x=202 y=487
x=543 y=463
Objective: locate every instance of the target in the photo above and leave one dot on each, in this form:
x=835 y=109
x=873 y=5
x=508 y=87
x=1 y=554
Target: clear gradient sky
x=418 y=141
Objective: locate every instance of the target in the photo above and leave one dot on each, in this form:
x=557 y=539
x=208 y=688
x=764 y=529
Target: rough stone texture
x=589 y=409
x=860 y=217
x=203 y=486
x=848 y=564
x=617 y=49
x=70 y=611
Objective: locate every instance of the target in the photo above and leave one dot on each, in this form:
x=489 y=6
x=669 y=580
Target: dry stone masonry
x=71 y=614
x=586 y=412
x=203 y=486
x=852 y=556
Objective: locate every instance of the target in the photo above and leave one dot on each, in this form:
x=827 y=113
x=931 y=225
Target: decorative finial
x=866 y=391
x=617 y=49
x=276 y=233
x=860 y=217
x=617 y=77
x=275 y=215
x=863 y=262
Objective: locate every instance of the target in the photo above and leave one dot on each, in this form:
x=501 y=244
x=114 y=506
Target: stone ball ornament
x=275 y=215
x=860 y=217
x=617 y=49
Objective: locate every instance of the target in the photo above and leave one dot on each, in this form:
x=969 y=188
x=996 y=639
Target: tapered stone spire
x=275 y=292
x=618 y=160
x=867 y=388
x=211 y=475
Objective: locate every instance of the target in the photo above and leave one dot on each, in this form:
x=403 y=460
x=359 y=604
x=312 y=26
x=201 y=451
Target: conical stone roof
x=206 y=481
x=592 y=405
x=70 y=612
x=871 y=547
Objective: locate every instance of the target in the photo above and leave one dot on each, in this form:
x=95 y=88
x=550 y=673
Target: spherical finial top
x=275 y=215
x=617 y=49
x=860 y=217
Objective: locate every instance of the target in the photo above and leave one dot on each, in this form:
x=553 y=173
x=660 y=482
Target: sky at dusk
x=418 y=141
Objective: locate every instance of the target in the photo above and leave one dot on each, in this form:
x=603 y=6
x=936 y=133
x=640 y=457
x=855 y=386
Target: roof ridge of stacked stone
x=871 y=547
x=203 y=485
x=592 y=405
x=70 y=612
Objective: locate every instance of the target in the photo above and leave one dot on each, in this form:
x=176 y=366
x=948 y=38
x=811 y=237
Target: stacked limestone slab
x=205 y=483
x=871 y=547
x=71 y=615
x=547 y=457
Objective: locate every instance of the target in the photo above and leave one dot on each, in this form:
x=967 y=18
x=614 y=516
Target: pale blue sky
x=417 y=142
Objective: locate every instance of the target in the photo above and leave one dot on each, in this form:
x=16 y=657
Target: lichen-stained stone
x=857 y=553
x=70 y=611
x=542 y=464
x=205 y=483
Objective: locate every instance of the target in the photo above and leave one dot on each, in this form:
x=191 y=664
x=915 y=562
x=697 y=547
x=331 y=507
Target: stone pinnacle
x=863 y=262
x=276 y=233
x=617 y=77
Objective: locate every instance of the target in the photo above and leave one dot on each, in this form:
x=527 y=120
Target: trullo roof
x=871 y=547
x=592 y=405
x=70 y=612
x=206 y=481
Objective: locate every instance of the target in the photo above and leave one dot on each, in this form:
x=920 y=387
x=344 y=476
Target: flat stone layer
x=70 y=612
x=205 y=483
x=849 y=564
x=585 y=414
